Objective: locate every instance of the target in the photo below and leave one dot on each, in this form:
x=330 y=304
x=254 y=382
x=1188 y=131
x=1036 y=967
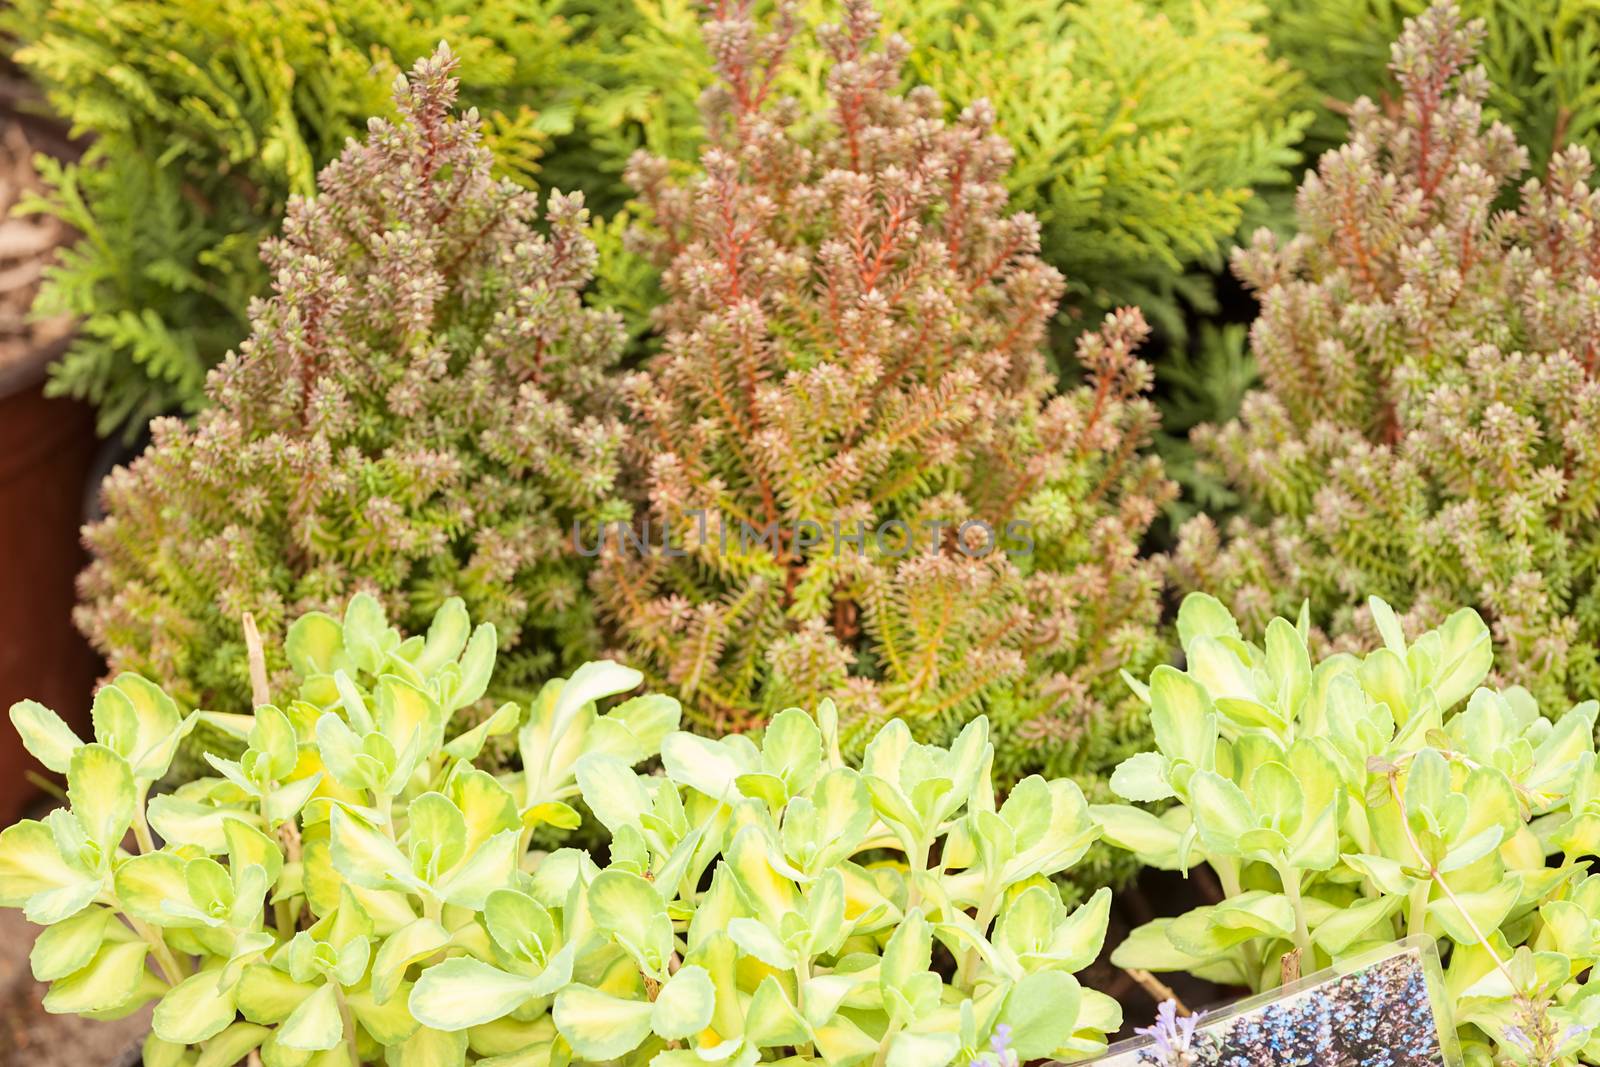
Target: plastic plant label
x=1382 y=1009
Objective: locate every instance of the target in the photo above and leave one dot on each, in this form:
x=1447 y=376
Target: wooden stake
x=260 y=691
x=1289 y=967
x=1158 y=990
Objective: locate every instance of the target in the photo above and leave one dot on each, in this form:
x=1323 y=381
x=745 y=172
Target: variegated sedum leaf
x=1364 y=798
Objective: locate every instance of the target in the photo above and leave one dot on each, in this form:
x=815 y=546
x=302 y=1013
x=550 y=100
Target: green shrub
x=420 y=412
x=868 y=363
x=1371 y=797
x=353 y=891
x=207 y=115
x=1428 y=424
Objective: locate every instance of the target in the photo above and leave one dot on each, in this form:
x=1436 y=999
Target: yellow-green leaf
x=69 y=945
x=51 y=740
x=465 y=992
x=195 y=1010
x=684 y=1005
x=315 y=1024
x=599 y=1026
x=109 y=982
x=100 y=789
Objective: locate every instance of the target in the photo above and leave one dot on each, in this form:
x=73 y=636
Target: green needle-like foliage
x=206 y=116
x=1429 y=426
x=854 y=348
x=421 y=412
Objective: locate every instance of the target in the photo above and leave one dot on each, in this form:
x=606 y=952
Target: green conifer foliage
x=206 y=115
x=1542 y=57
x=854 y=347
x=1429 y=426
x=420 y=412
x=1141 y=127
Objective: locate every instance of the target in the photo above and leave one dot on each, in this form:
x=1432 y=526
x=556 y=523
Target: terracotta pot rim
x=29 y=371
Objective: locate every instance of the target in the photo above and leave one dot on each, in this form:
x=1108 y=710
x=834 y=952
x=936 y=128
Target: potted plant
x=422 y=409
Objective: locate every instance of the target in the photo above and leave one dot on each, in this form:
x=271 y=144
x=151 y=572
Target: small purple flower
x=1173 y=1036
x=1001 y=1053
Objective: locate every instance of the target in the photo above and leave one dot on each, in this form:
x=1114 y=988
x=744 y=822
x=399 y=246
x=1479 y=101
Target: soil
x=30 y=1035
x=1155 y=894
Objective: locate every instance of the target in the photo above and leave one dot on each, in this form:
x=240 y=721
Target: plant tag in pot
x=1386 y=1008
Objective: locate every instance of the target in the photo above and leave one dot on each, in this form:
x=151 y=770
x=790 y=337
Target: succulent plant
x=771 y=903
x=1371 y=797
x=352 y=890
x=291 y=896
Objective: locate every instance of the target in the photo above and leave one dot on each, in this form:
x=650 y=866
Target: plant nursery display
x=420 y=412
x=352 y=890
x=207 y=116
x=861 y=482
x=1365 y=798
x=710 y=533
x=1427 y=427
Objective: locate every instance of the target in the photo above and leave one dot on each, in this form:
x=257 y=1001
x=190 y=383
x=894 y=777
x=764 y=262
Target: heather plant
x=1427 y=424
x=1141 y=130
x=295 y=899
x=1368 y=797
x=861 y=484
x=420 y=412
x=206 y=117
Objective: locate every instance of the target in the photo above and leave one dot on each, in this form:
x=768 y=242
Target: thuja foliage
x=1429 y=416
x=1368 y=797
x=206 y=116
x=419 y=413
x=1141 y=129
x=295 y=896
x=1542 y=57
x=850 y=440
